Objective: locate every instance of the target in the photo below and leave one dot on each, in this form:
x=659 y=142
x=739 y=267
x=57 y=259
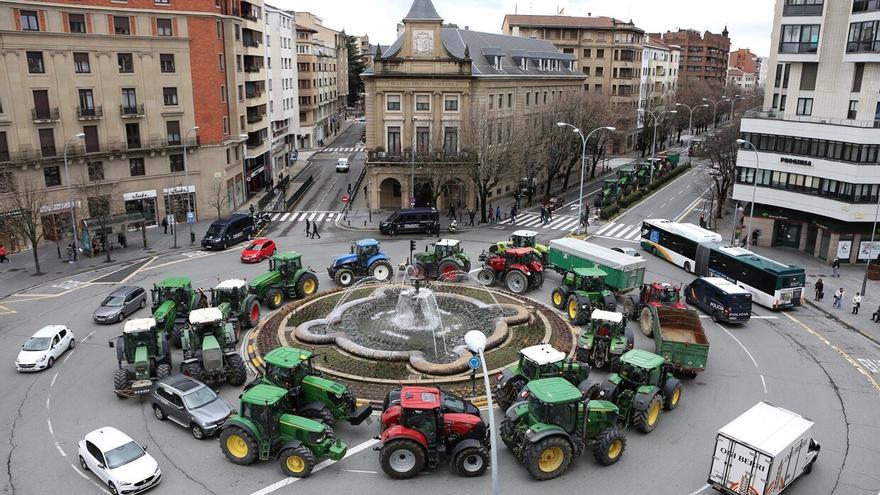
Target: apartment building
x=749 y=64
x=434 y=83
x=607 y=51
x=659 y=78
x=282 y=87
x=818 y=134
x=743 y=81
x=703 y=57
x=141 y=81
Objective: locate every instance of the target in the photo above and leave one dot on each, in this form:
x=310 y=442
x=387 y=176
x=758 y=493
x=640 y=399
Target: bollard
x=349 y=223
x=365 y=223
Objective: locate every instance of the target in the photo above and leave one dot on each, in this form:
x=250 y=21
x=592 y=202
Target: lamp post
x=244 y=138
x=715 y=107
x=476 y=342
x=654 y=138
x=754 y=190
x=192 y=237
x=412 y=170
x=69 y=195
x=584 y=140
x=733 y=101
x=691 y=121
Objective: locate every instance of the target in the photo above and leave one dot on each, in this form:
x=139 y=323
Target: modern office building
x=818 y=133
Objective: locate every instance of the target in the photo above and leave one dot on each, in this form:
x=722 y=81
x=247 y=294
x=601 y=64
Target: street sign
x=412 y=201
x=345 y=198
x=190 y=217
x=474 y=362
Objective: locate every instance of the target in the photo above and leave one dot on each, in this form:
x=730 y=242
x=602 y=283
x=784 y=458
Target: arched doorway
x=389 y=194
x=454 y=194
x=424 y=194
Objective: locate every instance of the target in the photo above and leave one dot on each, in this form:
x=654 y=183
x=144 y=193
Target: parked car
x=228 y=231
x=118 y=461
x=191 y=404
x=258 y=250
x=411 y=220
x=627 y=251
x=120 y=303
x=42 y=350
x=552 y=203
x=342 y=165
x=361 y=120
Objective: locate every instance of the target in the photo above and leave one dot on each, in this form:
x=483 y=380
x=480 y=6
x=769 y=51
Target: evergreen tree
x=355 y=68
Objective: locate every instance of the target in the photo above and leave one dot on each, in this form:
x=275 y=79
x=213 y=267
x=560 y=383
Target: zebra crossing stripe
x=312 y=216
x=615 y=229
x=635 y=235
x=284 y=217
x=531 y=222
x=556 y=223
x=607 y=226
x=320 y=217
x=275 y=217
x=623 y=233
x=572 y=223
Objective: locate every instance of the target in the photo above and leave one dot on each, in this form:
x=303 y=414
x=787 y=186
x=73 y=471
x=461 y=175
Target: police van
x=720 y=298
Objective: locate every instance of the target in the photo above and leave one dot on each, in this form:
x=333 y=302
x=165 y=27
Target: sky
x=749 y=21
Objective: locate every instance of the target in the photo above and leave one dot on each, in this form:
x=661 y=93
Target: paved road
x=796 y=360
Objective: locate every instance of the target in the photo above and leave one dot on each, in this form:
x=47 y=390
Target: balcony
x=90 y=113
x=48 y=151
x=254 y=118
x=782 y=116
x=793 y=9
x=253 y=68
x=254 y=141
x=803 y=48
x=42 y=115
x=869 y=46
x=860 y=6
x=131 y=111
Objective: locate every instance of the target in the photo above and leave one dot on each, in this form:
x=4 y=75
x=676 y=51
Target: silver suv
x=191 y=404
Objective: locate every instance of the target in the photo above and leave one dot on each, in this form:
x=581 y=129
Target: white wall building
x=281 y=85
x=818 y=134
x=659 y=76
x=743 y=80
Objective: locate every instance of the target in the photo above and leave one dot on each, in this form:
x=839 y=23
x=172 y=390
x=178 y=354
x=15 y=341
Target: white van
x=342 y=165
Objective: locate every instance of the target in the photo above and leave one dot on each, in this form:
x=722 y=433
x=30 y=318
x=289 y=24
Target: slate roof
x=422 y=10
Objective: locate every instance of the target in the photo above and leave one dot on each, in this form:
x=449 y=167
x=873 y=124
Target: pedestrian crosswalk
x=350 y=149
x=301 y=216
x=622 y=231
x=533 y=220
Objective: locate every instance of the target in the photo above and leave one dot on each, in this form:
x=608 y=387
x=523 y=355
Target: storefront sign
x=843 y=249
x=869 y=250
x=256 y=172
x=58 y=207
x=795 y=161
x=179 y=190
x=139 y=195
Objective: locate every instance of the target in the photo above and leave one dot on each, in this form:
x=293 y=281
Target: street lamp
x=476 y=342
x=243 y=138
x=192 y=237
x=583 y=164
x=754 y=190
x=691 y=121
x=412 y=170
x=69 y=195
x=733 y=101
x=654 y=138
x=715 y=107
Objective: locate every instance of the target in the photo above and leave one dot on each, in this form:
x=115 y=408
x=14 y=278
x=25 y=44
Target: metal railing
x=777 y=115
x=863 y=47
x=253 y=68
x=253 y=119
x=865 y=6
x=797 y=47
x=90 y=113
x=132 y=110
x=45 y=114
x=300 y=192
x=801 y=9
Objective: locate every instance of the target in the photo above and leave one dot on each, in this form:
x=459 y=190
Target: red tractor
x=654 y=294
x=416 y=434
x=518 y=268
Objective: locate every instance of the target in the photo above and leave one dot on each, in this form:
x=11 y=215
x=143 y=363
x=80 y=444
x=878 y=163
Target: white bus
x=675 y=242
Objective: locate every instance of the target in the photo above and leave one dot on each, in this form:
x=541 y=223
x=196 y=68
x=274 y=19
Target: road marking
x=763 y=382
x=663 y=205
x=623 y=234
x=89 y=335
x=359 y=471
x=6 y=311
x=872 y=365
x=60 y=450
x=615 y=229
x=53 y=380
x=103 y=490
x=691 y=206
x=284 y=217
x=49 y=423
x=48 y=399
x=701 y=489
x=635 y=235
x=604 y=228
x=326 y=463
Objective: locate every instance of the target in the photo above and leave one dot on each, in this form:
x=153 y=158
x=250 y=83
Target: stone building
x=660 y=65
x=282 y=87
x=703 y=57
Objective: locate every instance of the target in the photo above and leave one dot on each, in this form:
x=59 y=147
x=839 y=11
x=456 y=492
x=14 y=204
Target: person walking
x=513 y=214
x=549 y=214
x=165 y=225
x=820 y=289
x=498 y=214
x=251 y=209
x=315 y=230
x=491 y=216
x=308 y=227
x=471 y=215
x=856 y=302
x=835 y=267
x=543 y=215
x=838 y=298
x=702 y=221
x=3 y=257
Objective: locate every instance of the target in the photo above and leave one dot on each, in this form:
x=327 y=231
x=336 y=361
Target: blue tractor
x=365 y=259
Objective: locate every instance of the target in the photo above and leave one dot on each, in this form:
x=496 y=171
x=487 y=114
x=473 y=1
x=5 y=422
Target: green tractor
x=447 y=261
x=581 y=291
x=608 y=194
x=173 y=299
x=605 y=339
x=244 y=307
x=643 y=173
x=263 y=430
x=209 y=353
x=286 y=279
x=641 y=389
x=626 y=180
x=557 y=423
x=522 y=238
x=143 y=355
x=536 y=362
x=311 y=395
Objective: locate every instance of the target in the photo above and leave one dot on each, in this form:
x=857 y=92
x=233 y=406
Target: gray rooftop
x=422 y=10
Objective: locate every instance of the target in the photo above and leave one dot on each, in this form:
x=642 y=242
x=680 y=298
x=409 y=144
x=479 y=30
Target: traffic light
x=412 y=245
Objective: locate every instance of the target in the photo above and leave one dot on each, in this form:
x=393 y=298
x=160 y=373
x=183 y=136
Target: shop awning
x=114 y=220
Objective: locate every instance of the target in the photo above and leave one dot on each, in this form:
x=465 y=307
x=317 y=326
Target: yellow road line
x=840 y=351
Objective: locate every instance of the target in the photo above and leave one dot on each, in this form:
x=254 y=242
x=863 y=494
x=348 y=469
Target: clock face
x=423 y=42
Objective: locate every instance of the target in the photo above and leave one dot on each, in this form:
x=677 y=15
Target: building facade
x=818 y=134
x=703 y=57
x=659 y=77
x=282 y=87
x=433 y=86
x=743 y=81
x=607 y=51
x=140 y=81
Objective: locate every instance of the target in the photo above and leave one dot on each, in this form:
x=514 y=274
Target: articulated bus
x=697 y=250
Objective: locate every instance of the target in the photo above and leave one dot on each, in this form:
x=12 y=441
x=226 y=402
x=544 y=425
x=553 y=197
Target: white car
x=627 y=251
x=118 y=461
x=342 y=165
x=42 y=350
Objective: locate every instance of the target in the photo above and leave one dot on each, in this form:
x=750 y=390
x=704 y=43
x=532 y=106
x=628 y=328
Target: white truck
x=762 y=451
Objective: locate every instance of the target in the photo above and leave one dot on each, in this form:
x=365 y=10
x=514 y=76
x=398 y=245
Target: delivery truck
x=678 y=337
x=762 y=451
x=624 y=272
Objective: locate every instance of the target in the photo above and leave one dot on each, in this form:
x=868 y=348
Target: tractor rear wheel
x=537 y=279
x=274 y=298
x=238 y=445
x=193 y=370
x=576 y=314
x=646 y=322
x=671 y=394
x=548 y=458
x=516 y=282
x=297 y=463
x=163 y=370
x=449 y=272
x=646 y=419
x=175 y=338
x=609 y=446
x=236 y=373
x=486 y=276
x=121 y=382
x=471 y=461
x=381 y=271
x=629 y=308
x=307 y=285
x=507 y=430
x=559 y=297
x=251 y=312
x=324 y=415
x=344 y=277
x=402 y=459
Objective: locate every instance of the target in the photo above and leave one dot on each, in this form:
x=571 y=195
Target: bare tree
x=217 y=198
x=22 y=201
x=484 y=137
x=99 y=195
x=720 y=151
x=529 y=151
x=590 y=112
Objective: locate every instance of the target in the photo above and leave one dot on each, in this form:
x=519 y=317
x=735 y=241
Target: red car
x=258 y=250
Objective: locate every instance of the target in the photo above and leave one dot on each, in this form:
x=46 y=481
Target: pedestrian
x=856 y=302
x=491 y=216
x=308 y=227
x=820 y=289
x=543 y=215
x=876 y=316
x=838 y=298
x=165 y=225
x=70 y=253
x=315 y=230
x=251 y=208
x=120 y=238
x=3 y=257
x=587 y=214
x=471 y=215
x=498 y=213
x=702 y=221
x=835 y=267
x=349 y=189
x=513 y=214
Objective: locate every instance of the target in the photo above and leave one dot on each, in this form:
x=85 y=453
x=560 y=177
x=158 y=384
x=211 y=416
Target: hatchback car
x=191 y=404
x=44 y=348
x=120 y=303
x=627 y=251
x=118 y=461
x=258 y=250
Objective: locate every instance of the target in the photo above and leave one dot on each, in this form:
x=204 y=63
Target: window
x=799 y=39
x=222 y=93
x=81 y=63
x=423 y=103
x=600 y=53
x=47 y=142
x=809 y=71
x=129 y=100
x=394 y=140
x=91 y=138
x=125 y=62
x=35 y=63
x=4 y=157
x=528 y=98
x=500 y=101
x=219 y=30
x=588 y=52
x=423 y=140
x=509 y=100
x=585 y=70
x=450 y=140
x=86 y=103
x=176 y=162
x=173 y=131
x=166 y=62
x=29 y=20
x=805 y=106
x=226 y=125
x=782 y=100
x=96 y=171
x=163 y=27
x=863 y=37
x=491 y=102
x=857 y=77
x=120 y=25
x=99 y=206
x=169 y=95
x=52 y=176
x=600 y=71
x=392 y=103
x=222 y=62
x=76 y=23
x=598 y=89
x=851 y=111
x=133 y=135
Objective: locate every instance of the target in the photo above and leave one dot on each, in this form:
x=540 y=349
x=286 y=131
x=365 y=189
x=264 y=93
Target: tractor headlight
x=530 y=434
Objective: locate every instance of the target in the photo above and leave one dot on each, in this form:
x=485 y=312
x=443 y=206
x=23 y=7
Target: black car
x=411 y=220
x=229 y=231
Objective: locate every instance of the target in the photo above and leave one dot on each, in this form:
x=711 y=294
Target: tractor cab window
x=591 y=284
x=549 y=370
x=529 y=368
x=669 y=295
x=633 y=374
x=424 y=421
x=368 y=252
x=444 y=251
x=180 y=296
x=568 y=279
x=522 y=241
x=563 y=415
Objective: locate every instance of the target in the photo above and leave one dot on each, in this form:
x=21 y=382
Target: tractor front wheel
x=274 y=298
x=671 y=394
x=251 y=312
x=323 y=415
x=297 y=463
x=236 y=373
x=193 y=370
x=629 y=308
x=307 y=285
x=381 y=271
x=559 y=297
x=344 y=277
x=163 y=370
x=402 y=459
x=577 y=315
x=548 y=458
x=449 y=272
x=507 y=430
x=486 y=277
x=609 y=446
x=646 y=322
x=121 y=383
x=471 y=461
x=238 y=445
x=516 y=282
x=646 y=419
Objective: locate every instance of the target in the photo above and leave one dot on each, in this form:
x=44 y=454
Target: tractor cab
x=585 y=279
x=178 y=289
x=664 y=294
x=420 y=411
x=556 y=401
x=206 y=323
x=286 y=263
x=638 y=367
x=231 y=292
x=524 y=239
x=140 y=333
x=606 y=324
x=287 y=367
x=525 y=256
x=540 y=361
x=365 y=249
x=447 y=248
